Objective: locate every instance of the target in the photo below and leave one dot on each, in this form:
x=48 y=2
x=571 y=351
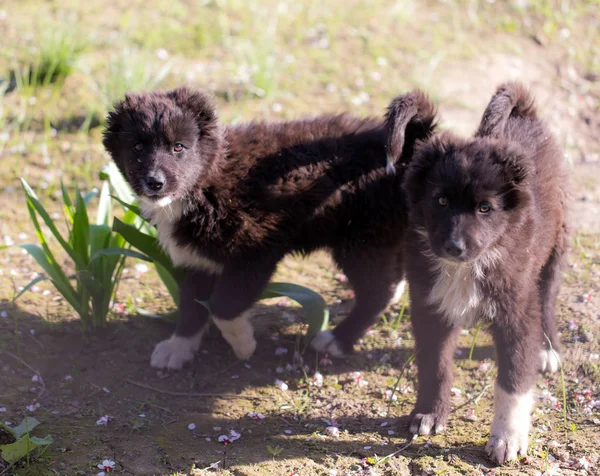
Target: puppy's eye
x=139 y=146
x=484 y=207
x=442 y=201
x=178 y=147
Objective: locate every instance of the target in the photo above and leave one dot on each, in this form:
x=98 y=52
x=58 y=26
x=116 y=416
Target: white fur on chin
x=163 y=202
x=239 y=333
x=456 y=290
x=510 y=429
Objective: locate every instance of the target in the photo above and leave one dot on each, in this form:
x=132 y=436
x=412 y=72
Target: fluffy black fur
x=242 y=197
x=487 y=238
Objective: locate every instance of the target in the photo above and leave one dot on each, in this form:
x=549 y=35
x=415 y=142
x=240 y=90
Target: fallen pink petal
x=104 y=420
x=256 y=416
x=107 y=465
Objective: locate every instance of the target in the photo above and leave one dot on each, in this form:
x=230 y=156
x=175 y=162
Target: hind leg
x=180 y=348
x=549 y=284
x=373 y=278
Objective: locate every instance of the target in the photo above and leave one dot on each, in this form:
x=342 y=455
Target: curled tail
x=410 y=117
x=512 y=100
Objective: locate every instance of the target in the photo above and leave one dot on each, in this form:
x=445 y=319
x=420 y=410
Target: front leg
x=518 y=340
x=181 y=347
x=240 y=285
x=435 y=342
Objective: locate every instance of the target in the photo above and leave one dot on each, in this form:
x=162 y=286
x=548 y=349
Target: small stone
x=587 y=337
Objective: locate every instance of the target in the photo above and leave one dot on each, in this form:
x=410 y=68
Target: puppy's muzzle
x=455 y=248
x=154 y=183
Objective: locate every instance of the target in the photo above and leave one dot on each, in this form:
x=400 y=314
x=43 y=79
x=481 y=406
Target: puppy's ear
x=200 y=104
x=511 y=100
x=426 y=155
x=518 y=167
x=112 y=128
x=410 y=118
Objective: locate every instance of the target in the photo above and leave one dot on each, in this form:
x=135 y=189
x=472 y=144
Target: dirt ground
x=97 y=396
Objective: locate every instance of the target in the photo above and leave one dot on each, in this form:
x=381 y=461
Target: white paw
x=174 y=352
x=507 y=447
x=510 y=429
x=425 y=424
x=239 y=333
x=326 y=343
x=550 y=360
x=398 y=293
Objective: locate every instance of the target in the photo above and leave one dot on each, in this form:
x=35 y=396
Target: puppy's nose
x=455 y=247
x=155 y=181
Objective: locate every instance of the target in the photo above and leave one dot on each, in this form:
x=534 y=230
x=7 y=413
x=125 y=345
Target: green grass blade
x=32 y=283
x=146 y=244
x=99 y=238
x=104 y=206
x=313 y=304
x=119 y=252
x=87 y=198
x=474 y=341
x=81 y=233
x=128 y=206
x=169 y=280
x=93 y=286
x=69 y=208
x=35 y=204
x=55 y=273
x=121 y=188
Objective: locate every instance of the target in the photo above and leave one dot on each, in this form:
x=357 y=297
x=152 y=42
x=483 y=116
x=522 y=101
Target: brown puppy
x=230 y=202
x=487 y=239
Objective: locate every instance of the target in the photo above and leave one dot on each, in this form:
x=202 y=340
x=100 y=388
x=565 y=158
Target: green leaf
x=146 y=244
x=26 y=425
x=88 y=196
x=313 y=304
x=104 y=206
x=42 y=441
x=206 y=304
x=81 y=232
x=129 y=206
x=32 y=283
x=69 y=208
x=55 y=273
x=170 y=281
x=14 y=452
x=100 y=236
x=92 y=285
x=34 y=205
x=111 y=173
x=119 y=252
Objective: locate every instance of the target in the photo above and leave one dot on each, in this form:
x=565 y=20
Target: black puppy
x=230 y=202
x=487 y=239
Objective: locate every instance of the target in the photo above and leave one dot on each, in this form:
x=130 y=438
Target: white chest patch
x=164 y=214
x=457 y=290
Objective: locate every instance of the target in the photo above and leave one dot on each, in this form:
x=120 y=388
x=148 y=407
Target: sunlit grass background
x=64 y=63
